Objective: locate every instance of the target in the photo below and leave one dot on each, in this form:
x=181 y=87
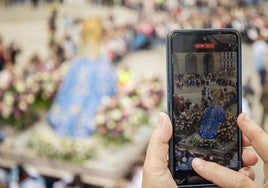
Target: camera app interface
x=205 y=105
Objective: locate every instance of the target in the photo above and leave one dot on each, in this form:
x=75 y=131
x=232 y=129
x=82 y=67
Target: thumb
x=163 y=130
x=156 y=156
x=155 y=171
x=220 y=175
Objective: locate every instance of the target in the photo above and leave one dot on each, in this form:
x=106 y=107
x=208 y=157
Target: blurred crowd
x=149 y=28
x=25 y=176
x=8 y=54
x=155 y=18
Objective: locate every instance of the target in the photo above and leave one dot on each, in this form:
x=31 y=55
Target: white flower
x=49 y=87
x=111 y=125
x=116 y=114
x=9 y=98
x=20 y=87
x=5 y=78
x=126 y=101
x=23 y=106
x=7 y=110
x=99 y=119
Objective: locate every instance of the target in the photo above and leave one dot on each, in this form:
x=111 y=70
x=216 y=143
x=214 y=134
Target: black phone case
x=170 y=92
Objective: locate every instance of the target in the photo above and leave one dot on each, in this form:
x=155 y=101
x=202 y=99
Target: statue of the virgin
x=91 y=77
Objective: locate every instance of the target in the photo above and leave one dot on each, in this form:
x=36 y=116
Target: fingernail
x=246 y=117
x=160 y=119
x=246 y=173
x=197 y=162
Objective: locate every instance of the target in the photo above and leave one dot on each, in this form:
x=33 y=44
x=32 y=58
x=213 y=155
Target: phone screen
x=204 y=100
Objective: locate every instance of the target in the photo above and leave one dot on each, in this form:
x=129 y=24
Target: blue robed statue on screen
x=212 y=118
x=90 y=78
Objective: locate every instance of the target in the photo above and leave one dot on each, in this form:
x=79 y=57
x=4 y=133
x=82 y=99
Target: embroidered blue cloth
x=213 y=117
x=80 y=94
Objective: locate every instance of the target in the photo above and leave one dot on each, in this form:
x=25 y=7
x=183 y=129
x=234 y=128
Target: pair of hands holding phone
x=157 y=175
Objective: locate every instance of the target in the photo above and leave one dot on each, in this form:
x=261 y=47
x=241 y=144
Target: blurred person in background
x=52 y=25
x=2 y=54
x=260 y=56
x=63 y=181
x=264 y=102
x=56 y=53
x=35 y=3
x=70 y=182
x=3 y=178
x=69 y=47
x=76 y=183
x=248 y=93
x=13 y=50
x=35 y=65
x=26 y=177
x=8 y=54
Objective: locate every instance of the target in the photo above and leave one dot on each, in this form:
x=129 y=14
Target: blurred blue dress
x=80 y=94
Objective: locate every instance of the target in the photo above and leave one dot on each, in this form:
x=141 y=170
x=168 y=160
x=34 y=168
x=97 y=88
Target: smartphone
x=204 y=100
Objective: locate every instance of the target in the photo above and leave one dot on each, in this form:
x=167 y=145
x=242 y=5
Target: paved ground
x=29 y=28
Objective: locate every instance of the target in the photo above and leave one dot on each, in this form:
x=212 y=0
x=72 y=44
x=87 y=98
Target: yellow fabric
x=124 y=76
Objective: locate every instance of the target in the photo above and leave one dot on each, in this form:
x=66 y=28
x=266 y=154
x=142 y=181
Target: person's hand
x=156 y=173
x=223 y=177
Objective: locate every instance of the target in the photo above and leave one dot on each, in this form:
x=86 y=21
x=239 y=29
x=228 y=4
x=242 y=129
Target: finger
x=221 y=176
x=155 y=169
x=157 y=150
x=246 y=141
x=249 y=157
x=255 y=135
x=163 y=131
x=248 y=171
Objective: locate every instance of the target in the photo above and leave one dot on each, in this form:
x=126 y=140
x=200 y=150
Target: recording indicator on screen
x=204 y=45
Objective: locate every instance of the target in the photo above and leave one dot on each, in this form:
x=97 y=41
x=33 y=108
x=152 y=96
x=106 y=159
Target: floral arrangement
x=227 y=129
x=44 y=87
x=120 y=117
x=117 y=120
x=15 y=107
x=23 y=100
x=185 y=125
x=188 y=121
x=225 y=133
x=197 y=114
x=48 y=145
x=204 y=143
